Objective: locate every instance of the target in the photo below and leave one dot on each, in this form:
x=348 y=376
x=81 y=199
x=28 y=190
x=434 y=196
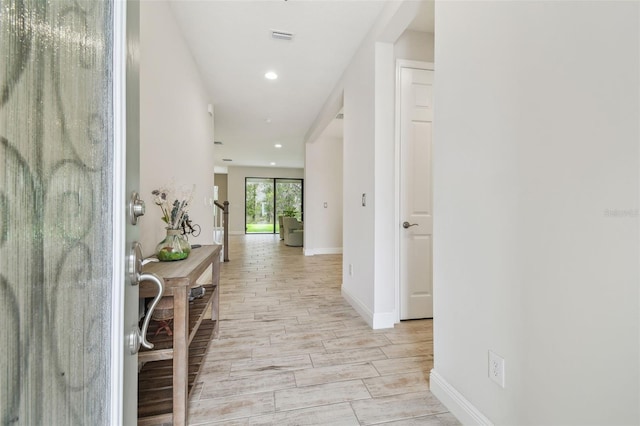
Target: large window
x=268 y=198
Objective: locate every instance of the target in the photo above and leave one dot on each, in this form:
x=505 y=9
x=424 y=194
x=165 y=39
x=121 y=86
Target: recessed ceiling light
x=268 y=121
x=271 y=75
x=272 y=163
x=278 y=145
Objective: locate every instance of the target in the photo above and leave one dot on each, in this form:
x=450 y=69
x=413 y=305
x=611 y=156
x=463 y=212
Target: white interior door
x=416 y=220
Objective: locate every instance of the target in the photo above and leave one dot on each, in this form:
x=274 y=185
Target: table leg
x=180 y=355
x=215 y=302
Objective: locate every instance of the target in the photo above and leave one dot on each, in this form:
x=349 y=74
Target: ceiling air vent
x=227 y=159
x=340 y=116
x=217 y=142
x=281 y=35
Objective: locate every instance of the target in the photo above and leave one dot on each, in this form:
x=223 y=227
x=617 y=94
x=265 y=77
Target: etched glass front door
x=56 y=152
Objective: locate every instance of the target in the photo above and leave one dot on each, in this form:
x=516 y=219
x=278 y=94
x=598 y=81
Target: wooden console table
x=171 y=368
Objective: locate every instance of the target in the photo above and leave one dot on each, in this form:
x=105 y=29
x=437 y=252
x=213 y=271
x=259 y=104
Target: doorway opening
x=268 y=198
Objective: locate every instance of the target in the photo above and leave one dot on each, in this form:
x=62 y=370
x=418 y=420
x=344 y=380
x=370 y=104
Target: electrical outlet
x=496 y=368
x=350 y=269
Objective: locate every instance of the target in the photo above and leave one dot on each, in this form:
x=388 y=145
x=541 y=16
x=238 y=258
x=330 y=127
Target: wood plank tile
x=403 y=365
x=408 y=349
x=301 y=337
x=347 y=357
x=396 y=384
x=247 y=385
x=400 y=337
x=397 y=407
x=215 y=370
x=232 y=407
x=252 y=367
x=283 y=349
x=362 y=328
x=239 y=342
x=332 y=316
x=228 y=353
x=292 y=351
x=360 y=341
x=445 y=419
x=236 y=315
x=356 y=322
x=301 y=328
x=329 y=393
x=334 y=414
x=277 y=316
x=334 y=373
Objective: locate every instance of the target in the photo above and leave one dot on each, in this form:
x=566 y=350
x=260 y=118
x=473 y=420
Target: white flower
x=173 y=212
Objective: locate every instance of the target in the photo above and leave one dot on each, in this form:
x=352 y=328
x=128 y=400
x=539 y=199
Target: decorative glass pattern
x=55 y=211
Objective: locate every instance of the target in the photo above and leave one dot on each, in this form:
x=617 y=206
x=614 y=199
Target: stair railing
x=224 y=208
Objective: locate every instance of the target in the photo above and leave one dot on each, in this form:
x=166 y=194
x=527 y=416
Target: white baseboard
x=330 y=250
x=457 y=404
x=360 y=308
x=375 y=321
x=384 y=320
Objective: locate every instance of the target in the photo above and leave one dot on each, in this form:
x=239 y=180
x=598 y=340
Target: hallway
x=292 y=351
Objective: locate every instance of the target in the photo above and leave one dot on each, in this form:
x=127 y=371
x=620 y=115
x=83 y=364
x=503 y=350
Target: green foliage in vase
x=168 y=254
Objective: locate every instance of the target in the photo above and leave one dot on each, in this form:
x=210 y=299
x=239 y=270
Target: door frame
x=275 y=202
x=400 y=63
x=120 y=205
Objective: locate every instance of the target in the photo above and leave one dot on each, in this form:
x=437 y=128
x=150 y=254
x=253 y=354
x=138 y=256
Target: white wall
x=415 y=46
x=536 y=151
x=367 y=89
x=176 y=131
x=235 y=186
x=323 y=184
x=358 y=157
x=385 y=223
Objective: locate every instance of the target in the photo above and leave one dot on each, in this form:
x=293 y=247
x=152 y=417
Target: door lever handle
x=136 y=337
x=407 y=225
x=147 y=319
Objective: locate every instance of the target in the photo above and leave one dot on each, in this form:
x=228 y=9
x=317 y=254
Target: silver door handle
x=136 y=337
x=407 y=225
x=145 y=325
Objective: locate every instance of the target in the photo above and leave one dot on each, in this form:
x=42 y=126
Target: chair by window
x=293 y=232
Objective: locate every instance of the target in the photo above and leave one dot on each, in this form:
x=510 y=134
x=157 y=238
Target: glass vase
x=175 y=246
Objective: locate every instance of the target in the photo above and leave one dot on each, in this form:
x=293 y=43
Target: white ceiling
x=232 y=45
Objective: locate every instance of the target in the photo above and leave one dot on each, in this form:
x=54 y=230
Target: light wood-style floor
x=292 y=351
